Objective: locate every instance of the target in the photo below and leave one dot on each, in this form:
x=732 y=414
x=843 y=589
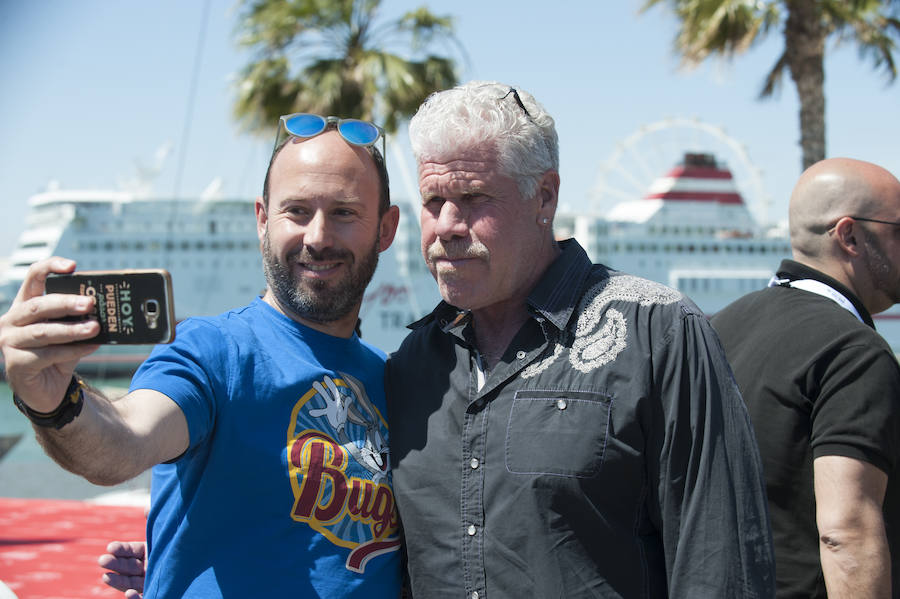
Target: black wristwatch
x=64 y=413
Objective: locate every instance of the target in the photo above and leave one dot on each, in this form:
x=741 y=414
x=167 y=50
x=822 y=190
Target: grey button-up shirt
x=608 y=453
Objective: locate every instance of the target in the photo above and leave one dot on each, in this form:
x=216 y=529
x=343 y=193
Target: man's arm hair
x=853 y=544
x=113 y=441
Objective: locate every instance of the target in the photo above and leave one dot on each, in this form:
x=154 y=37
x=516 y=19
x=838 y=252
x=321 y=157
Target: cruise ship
x=691 y=230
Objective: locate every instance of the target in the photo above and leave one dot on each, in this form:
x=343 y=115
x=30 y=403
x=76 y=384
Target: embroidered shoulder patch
x=601 y=332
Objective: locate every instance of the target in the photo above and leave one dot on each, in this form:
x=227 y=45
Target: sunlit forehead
x=460 y=179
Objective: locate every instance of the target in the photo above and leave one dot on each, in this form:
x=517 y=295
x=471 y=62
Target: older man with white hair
x=558 y=428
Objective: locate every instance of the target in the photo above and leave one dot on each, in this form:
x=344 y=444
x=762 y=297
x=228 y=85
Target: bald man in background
x=823 y=387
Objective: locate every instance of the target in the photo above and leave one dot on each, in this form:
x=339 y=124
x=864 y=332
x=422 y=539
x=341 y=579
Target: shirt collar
x=554 y=297
x=557 y=293
x=793 y=270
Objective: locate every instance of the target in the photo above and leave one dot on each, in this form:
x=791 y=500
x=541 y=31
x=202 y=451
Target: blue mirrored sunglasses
x=354 y=131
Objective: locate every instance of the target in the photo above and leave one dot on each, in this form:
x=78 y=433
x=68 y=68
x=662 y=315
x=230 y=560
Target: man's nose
x=451 y=221
x=317 y=233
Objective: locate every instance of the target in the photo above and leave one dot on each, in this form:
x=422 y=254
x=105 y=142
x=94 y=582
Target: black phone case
x=134 y=307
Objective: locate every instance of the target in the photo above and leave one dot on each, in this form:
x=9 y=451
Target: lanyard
x=819 y=288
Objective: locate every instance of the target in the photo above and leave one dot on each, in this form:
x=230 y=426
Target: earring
x=545 y=221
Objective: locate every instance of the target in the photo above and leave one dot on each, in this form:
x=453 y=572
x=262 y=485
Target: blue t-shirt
x=285 y=489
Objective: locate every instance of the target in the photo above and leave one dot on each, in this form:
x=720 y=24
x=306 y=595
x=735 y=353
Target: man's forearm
x=857 y=568
x=97 y=444
x=853 y=546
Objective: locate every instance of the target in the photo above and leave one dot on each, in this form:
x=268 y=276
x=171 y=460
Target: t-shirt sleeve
x=856 y=413
x=192 y=372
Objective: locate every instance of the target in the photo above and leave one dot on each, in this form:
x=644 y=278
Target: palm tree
x=334 y=57
x=729 y=27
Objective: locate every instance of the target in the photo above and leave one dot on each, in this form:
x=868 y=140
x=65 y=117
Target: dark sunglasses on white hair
x=518 y=100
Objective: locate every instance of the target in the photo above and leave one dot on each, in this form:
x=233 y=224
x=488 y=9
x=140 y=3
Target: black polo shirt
x=608 y=454
x=817 y=382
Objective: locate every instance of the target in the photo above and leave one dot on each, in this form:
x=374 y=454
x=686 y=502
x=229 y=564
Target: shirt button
x=473 y=463
x=520 y=354
x=471 y=530
x=474 y=595
x=561 y=404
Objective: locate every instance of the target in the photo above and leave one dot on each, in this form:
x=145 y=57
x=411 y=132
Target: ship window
x=34 y=244
x=154 y=246
x=170 y=245
x=229 y=245
x=212 y=227
x=200 y=245
x=185 y=245
x=214 y=245
x=139 y=245
x=108 y=246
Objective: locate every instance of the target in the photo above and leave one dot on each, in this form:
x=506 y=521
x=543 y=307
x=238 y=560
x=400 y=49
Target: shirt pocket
x=561 y=433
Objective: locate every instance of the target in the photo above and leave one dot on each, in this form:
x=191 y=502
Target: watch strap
x=65 y=412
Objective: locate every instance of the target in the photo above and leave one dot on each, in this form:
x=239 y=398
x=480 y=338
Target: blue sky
x=92 y=88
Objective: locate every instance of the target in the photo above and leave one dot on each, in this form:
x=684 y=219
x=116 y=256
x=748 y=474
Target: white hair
x=487 y=114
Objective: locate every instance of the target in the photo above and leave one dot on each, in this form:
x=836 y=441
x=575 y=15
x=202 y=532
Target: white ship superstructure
x=210 y=247
x=691 y=231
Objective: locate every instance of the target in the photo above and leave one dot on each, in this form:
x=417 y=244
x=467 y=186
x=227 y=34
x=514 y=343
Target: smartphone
x=133 y=307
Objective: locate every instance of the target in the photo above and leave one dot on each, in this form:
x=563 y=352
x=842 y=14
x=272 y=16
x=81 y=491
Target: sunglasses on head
x=354 y=131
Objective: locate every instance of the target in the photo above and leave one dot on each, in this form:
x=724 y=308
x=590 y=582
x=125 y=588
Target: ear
x=548 y=195
x=262 y=219
x=847 y=236
x=388 y=227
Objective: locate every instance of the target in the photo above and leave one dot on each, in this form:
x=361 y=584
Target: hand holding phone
x=133 y=307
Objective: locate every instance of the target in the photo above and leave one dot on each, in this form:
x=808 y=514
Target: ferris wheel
x=652 y=150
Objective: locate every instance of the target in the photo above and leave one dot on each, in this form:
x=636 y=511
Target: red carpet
x=49 y=548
